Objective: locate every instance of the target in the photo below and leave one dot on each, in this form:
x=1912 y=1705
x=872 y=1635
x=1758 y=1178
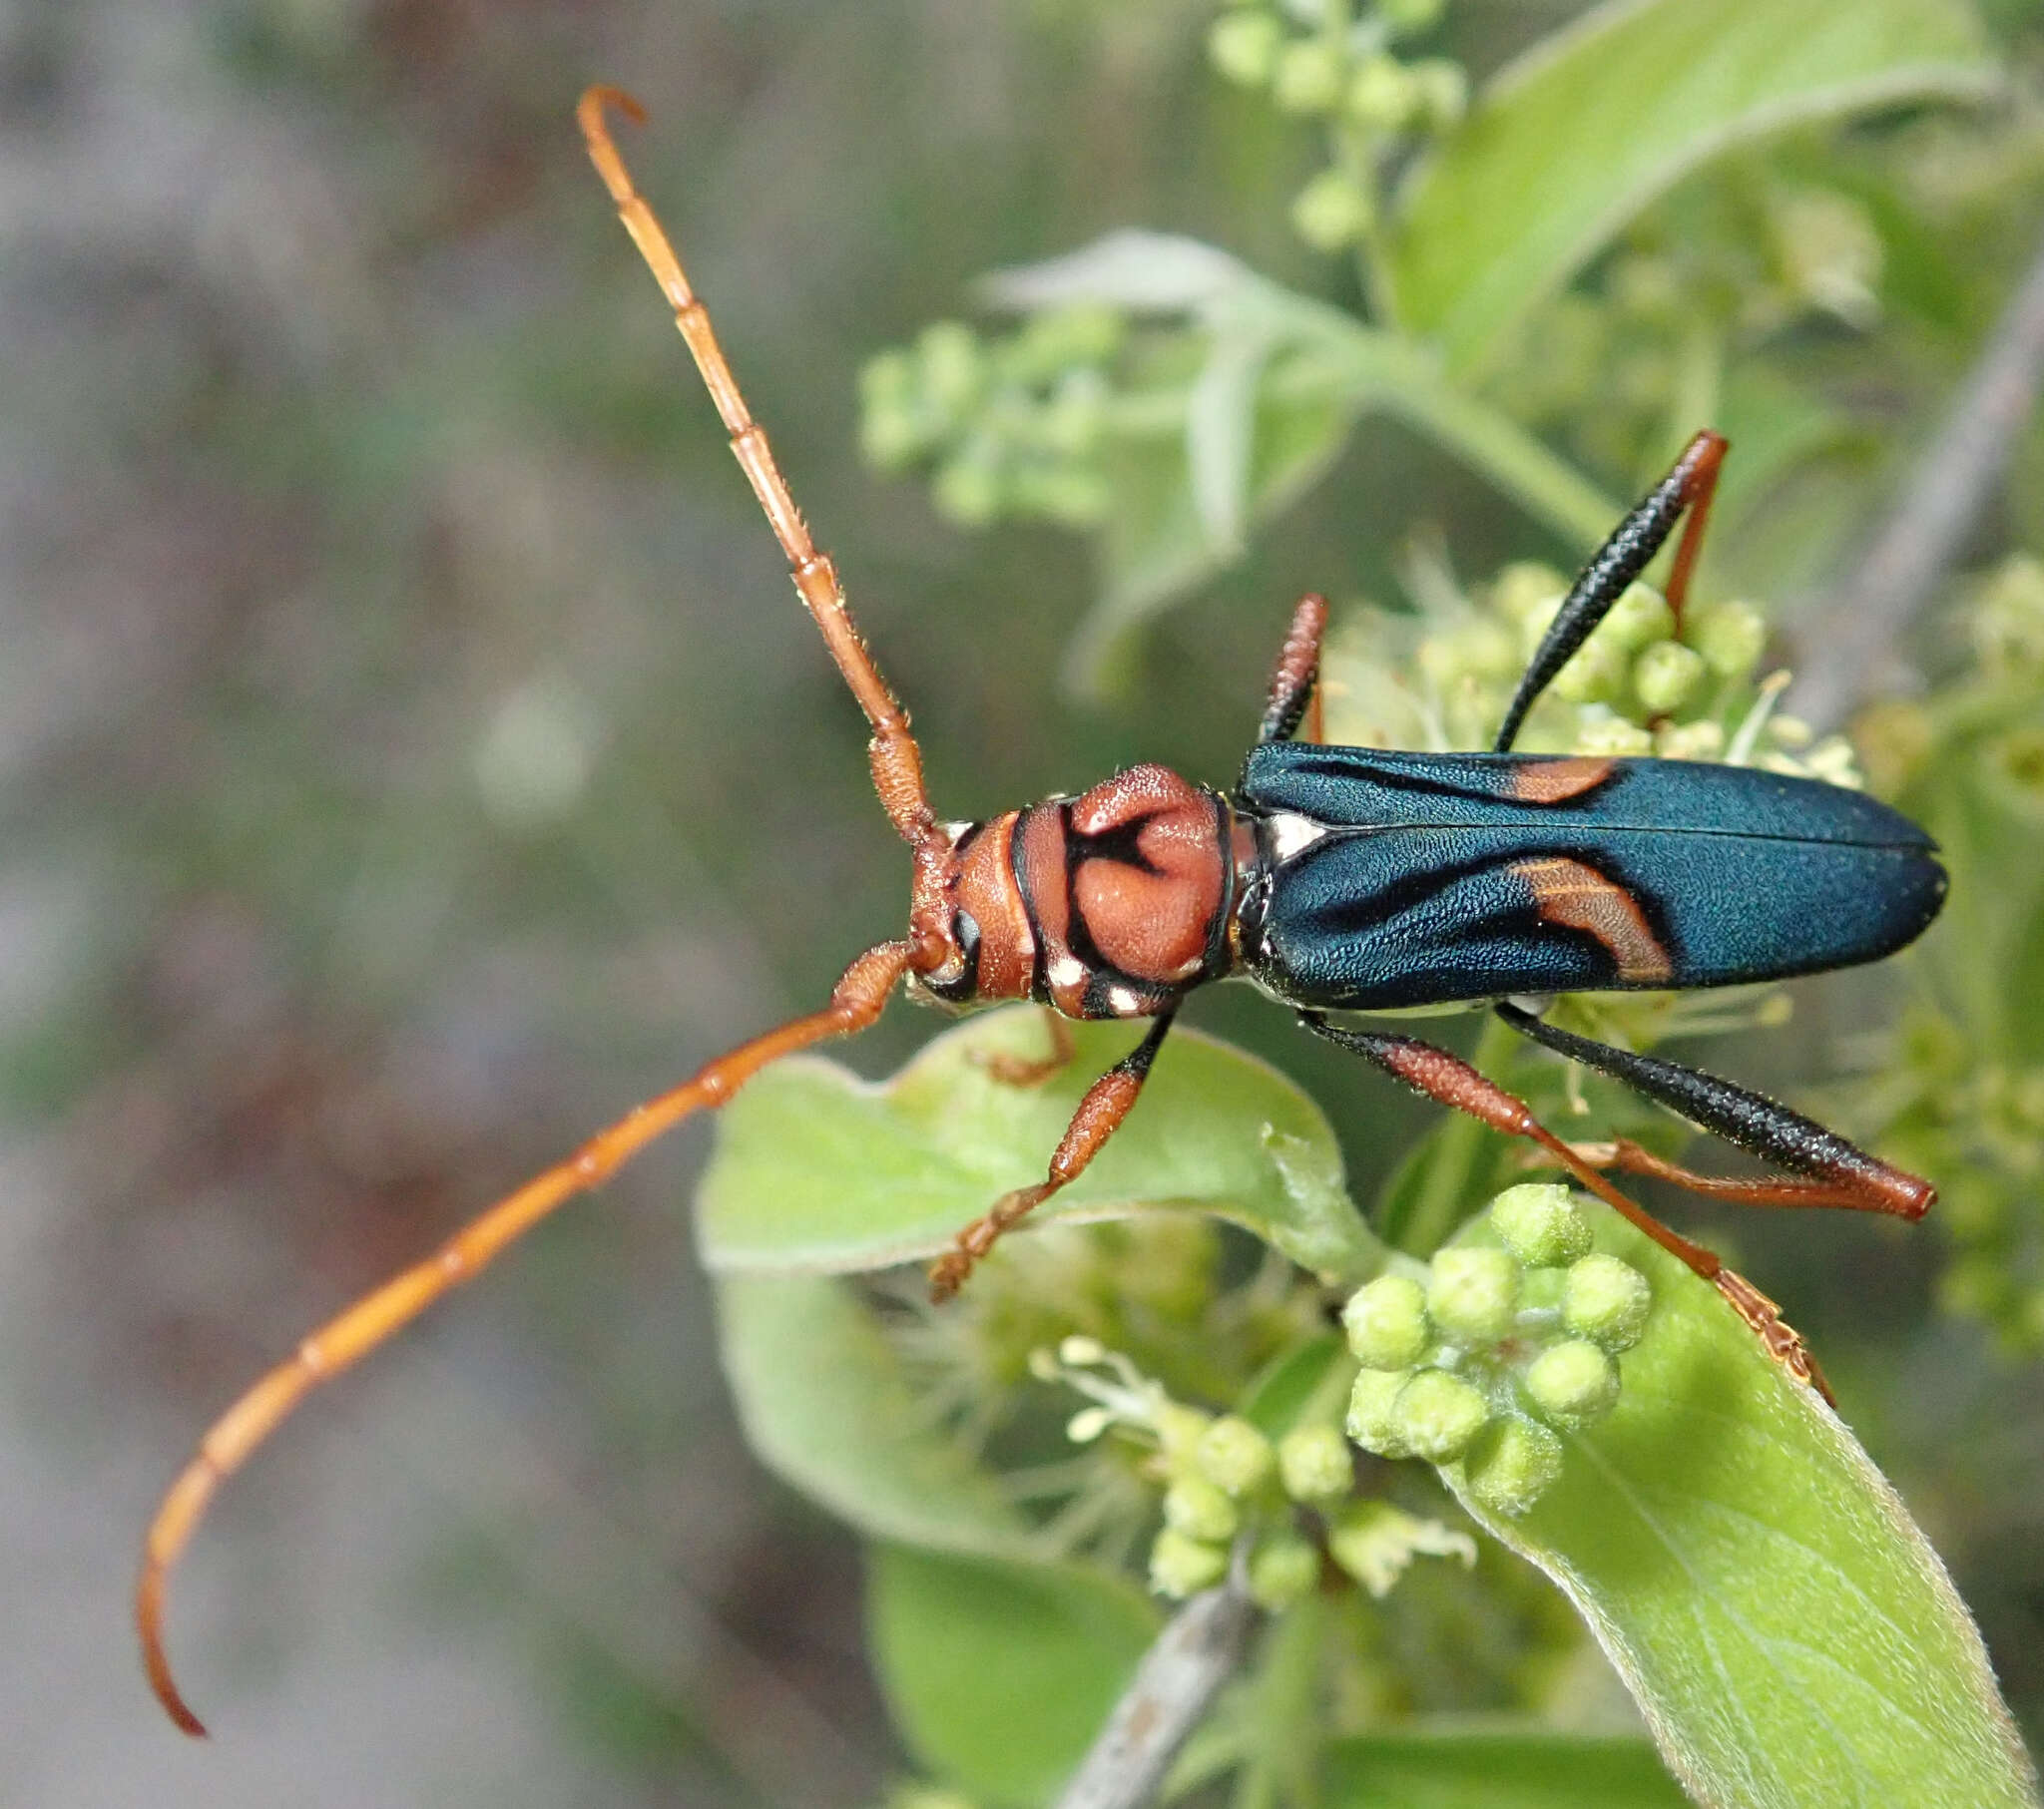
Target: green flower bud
x=1437 y=1413
x=952 y=366
x=1638 y=618
x=1382 y=94
x=1410 y=15
x=1330 y=212
x=1597 y=673
x=1729 y=636
x=1181 y=1567
x=1194 y=1506
x=967 y=487
x=1689 y=740
x=1472 y=1293
x=1600 y=732
x=1283 y=1569
x=1312 y=1464
x=1512 y=1465
x=1372 y=1421
x=1386 y=1322
x=1377 y=1543
x=1308 y=77
x=1607 y=1301
x=1526 y=586
x=1179 y=1431
x=1243 y=46
x=1075 y=496
x=1666 y=676
x=1443 y=89
x=1573 y=1384
x=1541 y=1225
x=1232 y=1455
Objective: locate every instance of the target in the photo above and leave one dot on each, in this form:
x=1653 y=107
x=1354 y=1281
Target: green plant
x=1133 y=1392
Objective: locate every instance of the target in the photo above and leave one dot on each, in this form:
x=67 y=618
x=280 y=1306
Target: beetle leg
x=1031 y=1070
x=1295 y=684
x=1689 y=484
x=1447 y=1078
x=857 y=999
x=1829 y=1171
x=1107 y=1101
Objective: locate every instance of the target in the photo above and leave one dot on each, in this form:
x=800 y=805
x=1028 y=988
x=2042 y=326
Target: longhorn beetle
x=1333 y=878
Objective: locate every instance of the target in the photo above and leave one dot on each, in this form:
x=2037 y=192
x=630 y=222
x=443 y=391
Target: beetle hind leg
x=1444 y=1077
x=1827 y=1171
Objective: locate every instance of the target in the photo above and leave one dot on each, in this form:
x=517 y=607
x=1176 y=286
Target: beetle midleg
x=857 y=999
x=1832 y=1171
x=1689 y=484
x=1108 y=1100
x=1443 y=1076
x=1032 y=1071
x=1295 y=683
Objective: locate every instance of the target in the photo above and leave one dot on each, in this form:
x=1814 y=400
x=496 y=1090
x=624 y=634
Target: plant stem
x=1852 y=630
x=1196 y=1652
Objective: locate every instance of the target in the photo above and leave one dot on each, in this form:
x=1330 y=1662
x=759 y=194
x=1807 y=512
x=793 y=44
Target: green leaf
x=999 y=1674
x=826 y=1406
x=817 y=1169
x=1157 y=542
x=1582 y=133
x=1470 y=1770
x=1787 y=1629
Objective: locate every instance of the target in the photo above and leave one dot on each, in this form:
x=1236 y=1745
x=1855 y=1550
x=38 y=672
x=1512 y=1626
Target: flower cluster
x=1285 y=1506
x=1013 y=424
x=1643 y=683
x=1958 y=1093
x=1321 y=62
x=1724 y=269
x=1483 y=1358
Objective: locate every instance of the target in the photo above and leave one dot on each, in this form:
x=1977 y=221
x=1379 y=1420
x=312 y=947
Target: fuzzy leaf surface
x=1454 y=1770
x=999 y=1674
x=1788 y=1632
x=827 y=1406
x=816 y=1169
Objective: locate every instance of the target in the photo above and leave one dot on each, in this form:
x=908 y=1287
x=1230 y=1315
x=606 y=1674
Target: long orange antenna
x=896 y=760
x=857 y=999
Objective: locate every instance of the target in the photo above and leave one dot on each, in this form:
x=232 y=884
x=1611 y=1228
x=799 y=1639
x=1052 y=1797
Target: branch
x=1196 y=1654
x=1861 y=616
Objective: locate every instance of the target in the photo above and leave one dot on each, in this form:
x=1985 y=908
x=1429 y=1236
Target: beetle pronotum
x=1333 y=878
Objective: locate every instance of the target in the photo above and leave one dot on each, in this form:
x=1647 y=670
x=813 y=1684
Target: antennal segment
x=856 y=1000
x=896 y=760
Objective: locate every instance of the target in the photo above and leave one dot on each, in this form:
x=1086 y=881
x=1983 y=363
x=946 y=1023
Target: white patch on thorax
x=1291 y=834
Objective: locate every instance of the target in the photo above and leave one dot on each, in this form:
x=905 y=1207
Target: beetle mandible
x=1332 y=878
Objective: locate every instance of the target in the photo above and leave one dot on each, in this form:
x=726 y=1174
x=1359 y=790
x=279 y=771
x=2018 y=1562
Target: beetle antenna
x=856 y=1000
x=896 y=760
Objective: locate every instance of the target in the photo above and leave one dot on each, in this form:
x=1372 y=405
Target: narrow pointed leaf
x=1592 y=125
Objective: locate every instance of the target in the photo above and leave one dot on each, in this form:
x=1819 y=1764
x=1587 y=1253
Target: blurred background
x=413 y=755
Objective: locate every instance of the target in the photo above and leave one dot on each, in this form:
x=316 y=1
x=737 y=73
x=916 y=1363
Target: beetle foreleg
x=1108 y=1100
x=1032 y=1071
x=1447 y=1078
x=1832 y=1171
